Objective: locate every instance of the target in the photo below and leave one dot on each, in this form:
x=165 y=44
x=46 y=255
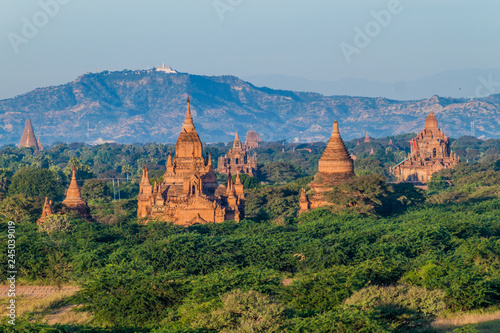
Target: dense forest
x=392 y=262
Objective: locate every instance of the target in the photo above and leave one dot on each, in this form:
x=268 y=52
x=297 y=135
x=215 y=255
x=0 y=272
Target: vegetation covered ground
x=388 y=258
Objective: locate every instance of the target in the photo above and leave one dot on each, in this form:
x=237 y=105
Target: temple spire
x=209 y=159
x=237 y=141
x=28 y=139
x=73 y=196
x=144 y=179
x=336 y=158
x=229 y=189
x=335 y=127
x=188 y=121
x=46 y=211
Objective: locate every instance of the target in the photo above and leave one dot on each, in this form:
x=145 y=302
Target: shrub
x=55 y=223
x=430 y=302
x=126 y=294
x=322 y=291
x=344 y=319
x=244 y=312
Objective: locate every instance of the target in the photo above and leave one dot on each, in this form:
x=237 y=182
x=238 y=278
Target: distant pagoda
x=367 y=138
x=334 y=167
x=47 y=210
x=28 y=139
x=74 y=199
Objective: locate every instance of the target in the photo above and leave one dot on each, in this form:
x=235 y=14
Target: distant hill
x=458 y=84
x=149 y=105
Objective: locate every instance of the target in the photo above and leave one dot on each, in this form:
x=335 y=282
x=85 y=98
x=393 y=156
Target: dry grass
x=66 y=315
x=45 y=304
x=488 y=322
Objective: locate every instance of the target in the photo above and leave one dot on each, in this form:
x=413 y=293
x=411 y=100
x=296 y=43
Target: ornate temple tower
x=189 y=193
x=74 y=199
x=430 y=152
x=28 y=139
x=335 y=166
x=237 y=160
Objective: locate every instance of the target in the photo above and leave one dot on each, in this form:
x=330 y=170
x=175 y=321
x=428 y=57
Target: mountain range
x=149 y=106
x=465 y=83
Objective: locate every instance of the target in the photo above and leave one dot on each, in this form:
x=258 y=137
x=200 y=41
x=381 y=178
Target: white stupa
x=166 y=69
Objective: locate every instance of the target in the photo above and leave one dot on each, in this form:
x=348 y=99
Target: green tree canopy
x=36 y=182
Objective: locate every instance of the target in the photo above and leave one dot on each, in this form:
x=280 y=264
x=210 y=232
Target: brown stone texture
x=252 y=141
x=74 y=199
x=46 y=211
x=28 y=139
x=189 y=193
x=430 y=152
x=237 y=160
x=334 y=167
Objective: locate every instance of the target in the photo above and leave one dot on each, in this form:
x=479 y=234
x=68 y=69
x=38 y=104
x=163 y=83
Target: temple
x=252 y=140
x=430 y=152
x=237 y=160
x=28 y=139
x=367 y=138
x=189 y=193
x=335 y=167
x=74 y=200
x=165 y=69
x=46 y=211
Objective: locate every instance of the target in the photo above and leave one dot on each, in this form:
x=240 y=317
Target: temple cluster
x=190 y=194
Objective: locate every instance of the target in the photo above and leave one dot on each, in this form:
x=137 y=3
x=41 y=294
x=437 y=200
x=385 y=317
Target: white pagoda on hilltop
x=166 y=69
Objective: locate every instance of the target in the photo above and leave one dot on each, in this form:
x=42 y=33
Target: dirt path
x=37 y=291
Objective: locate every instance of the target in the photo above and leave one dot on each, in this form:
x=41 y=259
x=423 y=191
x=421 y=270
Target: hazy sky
x=302 y=38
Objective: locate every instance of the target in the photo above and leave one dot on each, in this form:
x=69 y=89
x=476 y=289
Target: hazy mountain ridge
x=147 y=105
x=464 y=83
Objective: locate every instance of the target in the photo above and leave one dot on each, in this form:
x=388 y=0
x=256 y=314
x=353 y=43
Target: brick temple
x=189 y=193
x=430 y=152
x=237 y=160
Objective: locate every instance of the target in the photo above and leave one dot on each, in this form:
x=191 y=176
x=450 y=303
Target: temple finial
x=188 y=121
x=335 y=127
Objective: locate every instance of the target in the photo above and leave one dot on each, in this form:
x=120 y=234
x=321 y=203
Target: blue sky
x=244 y=37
